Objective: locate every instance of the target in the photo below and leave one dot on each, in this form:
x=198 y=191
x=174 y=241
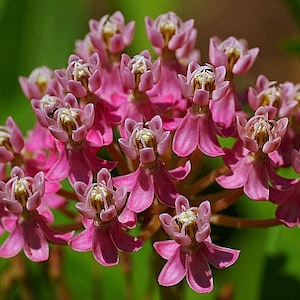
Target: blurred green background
x=36 y=33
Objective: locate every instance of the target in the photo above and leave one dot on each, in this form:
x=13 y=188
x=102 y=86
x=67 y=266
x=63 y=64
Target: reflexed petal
x=141 y=196
x=13 y=244
x=186 y=136
x=82 y=242
x=174 y=270
x=220 y=257
x=124 y=241
x=104 y=249
x=35 y=244
x=199 y=275
x=166 y=249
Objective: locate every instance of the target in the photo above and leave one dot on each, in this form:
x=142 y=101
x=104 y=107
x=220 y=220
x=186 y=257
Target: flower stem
x=237 y=222
x=203 y=182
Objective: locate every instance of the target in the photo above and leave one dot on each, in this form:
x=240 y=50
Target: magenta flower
x=191 y=250
x=232 y=54
x=252 y=165
x=76 y=148
x=168 y=31
x=41 y=81
x=100 y=205
x=111 y=35
x=81 y=77
x=139 y=72
x=260 y=132
x=11 y=141
x=288 y=205
x=28 y=220
x=279 y=99
x=151 y=177
x=201 y=85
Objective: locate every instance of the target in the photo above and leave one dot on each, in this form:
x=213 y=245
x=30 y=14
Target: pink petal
x=174 y=270
x=82 y=242
x=220 y=257
x=166 y=249
x=141 y=196
x=164 y=187
x=124 y=241
x=104 y=249
x=186 y=136
x=208 y=142
x=35 y=244
x=13 y=244
x=199 y=275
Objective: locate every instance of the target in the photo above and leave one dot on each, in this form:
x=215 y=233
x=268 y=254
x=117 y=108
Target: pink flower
x=279 y=99
x=11 y=141
x=76 y=148
x=110 y=35
x=151 y=177
x=28 y=221
x=202 y=85
x=288 y=205
x=81 y=77
x=232 y=54
x=100 y=205
x=191 y=250
x=168 y=31
x=41 y=81
x=260 y=133
x=139 y=72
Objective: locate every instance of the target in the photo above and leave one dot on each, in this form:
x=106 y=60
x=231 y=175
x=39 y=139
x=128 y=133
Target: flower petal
x=124 y=241
x=220 y=257
x=166 y=249
x=199 y=275
x=13 y=244
x=174 y=270
x=104 y=249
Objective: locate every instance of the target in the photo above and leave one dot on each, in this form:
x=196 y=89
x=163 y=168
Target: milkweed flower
x=76 y=148
x=110 y=35
x=201 y=86
x=191 y=250
x=151 y=177
x=27 y=220
x=251 y=162
x=40 y=82
x=81 y=77
x=100 y=206
x=232 y=53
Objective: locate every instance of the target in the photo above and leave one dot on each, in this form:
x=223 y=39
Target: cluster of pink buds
x=125 y=137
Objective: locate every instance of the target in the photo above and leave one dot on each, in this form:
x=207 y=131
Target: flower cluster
x=129 y=134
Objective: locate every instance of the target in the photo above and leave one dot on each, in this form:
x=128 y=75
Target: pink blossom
x=232 y=54
x=111 y=35
x=81 y=77
x=151 y=177
x=76 y=154
x=253 y=172
x=45 y=108
x=27 y=222
x=168 y=31
x=279 y=99
x=252 y=162
x=191 y=250
x=202 y=85
x=41 y=81
x=139 y=72
x=288 y=205
x=11 y=141
x=100 y=205
x=260 y=132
